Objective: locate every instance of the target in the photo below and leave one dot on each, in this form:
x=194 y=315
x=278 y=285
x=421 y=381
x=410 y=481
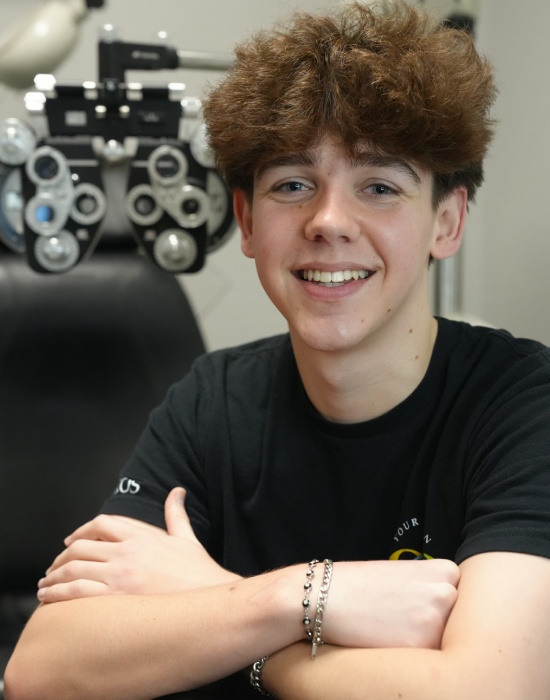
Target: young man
x=413 y=452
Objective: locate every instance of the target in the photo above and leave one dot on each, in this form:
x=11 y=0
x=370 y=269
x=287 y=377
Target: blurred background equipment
x=40 y=42
x=147 y=142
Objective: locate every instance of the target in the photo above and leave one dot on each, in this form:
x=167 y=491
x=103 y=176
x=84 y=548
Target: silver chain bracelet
x=256 y=676
x=321 y=604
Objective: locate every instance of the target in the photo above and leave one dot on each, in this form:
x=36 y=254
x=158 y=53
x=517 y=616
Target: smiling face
x=342 y=244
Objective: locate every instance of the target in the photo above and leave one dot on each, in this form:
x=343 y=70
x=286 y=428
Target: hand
x=118 y=555
x=390 y=604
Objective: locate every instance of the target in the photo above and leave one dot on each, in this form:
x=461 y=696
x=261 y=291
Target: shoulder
x=241 y=370
x=482 y=347
x=489 y=372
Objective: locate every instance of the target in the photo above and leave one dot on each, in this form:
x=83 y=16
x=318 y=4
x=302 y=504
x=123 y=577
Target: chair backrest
x=84 y=357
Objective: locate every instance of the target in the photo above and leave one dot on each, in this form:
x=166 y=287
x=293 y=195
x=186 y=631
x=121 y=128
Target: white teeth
x=338 y=277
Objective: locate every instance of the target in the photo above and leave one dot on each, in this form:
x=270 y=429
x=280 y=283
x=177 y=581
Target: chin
x=329 y=340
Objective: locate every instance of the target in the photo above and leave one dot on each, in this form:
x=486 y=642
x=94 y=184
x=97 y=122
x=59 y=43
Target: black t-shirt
x=460 y=467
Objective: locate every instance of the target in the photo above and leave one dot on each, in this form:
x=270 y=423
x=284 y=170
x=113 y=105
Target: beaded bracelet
x=321 y=604
x=306 y=601
x=256 y=676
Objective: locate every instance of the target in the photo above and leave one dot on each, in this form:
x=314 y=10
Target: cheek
x=272 y=239
x=405 y=248
x=265 y=254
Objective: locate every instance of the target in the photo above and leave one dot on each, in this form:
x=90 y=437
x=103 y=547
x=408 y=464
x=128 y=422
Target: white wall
x=505 y=280
x=507 y=253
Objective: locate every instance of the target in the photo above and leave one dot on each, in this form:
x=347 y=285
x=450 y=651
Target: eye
x=381 y=190
x=291 y=186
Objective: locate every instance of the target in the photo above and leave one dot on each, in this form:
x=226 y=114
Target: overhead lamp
x=40 y=42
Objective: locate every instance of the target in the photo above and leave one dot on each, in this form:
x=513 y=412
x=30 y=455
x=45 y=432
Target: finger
x=442 y=570
x=71 y=591
x=85 y=550
x=74 y=571
x=109 y=528
x=177 y=520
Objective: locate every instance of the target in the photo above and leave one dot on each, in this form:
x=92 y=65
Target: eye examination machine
x=110 y=144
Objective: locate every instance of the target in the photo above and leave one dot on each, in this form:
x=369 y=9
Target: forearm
x=414 y=674
x=359 y=674
x=139 y=647
x=493 y=647
x=387 y=674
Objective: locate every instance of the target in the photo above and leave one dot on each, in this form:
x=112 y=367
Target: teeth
x=338 y=277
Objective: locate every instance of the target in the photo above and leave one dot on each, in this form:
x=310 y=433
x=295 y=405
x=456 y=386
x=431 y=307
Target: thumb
x=177 y=520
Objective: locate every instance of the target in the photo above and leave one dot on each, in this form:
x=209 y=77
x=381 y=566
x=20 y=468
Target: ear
x=242 y=207
x=450 y=220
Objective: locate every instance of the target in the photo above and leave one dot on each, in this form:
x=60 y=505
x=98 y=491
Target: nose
x=332 y=217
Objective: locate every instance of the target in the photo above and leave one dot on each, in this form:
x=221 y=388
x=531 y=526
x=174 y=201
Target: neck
x=357 y=385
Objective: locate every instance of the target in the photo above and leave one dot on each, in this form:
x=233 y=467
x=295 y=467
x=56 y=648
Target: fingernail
x=41 y=593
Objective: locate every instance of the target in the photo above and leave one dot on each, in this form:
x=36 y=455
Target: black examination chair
x=84 y=357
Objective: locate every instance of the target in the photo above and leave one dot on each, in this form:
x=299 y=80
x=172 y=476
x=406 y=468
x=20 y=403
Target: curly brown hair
x=401 y=81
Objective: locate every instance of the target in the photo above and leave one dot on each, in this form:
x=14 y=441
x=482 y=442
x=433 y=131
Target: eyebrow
x=358 y=160
x=302 y=158
x=370 y=158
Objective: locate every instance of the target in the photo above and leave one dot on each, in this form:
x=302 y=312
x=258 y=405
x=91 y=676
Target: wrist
x=279 y=604
x=282 y=603
x=297 y=597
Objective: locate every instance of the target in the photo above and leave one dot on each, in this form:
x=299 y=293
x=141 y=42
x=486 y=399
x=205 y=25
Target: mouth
x=338 y=278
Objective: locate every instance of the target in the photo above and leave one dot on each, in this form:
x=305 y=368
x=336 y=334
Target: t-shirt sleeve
x=507 y=478
x=168 y=454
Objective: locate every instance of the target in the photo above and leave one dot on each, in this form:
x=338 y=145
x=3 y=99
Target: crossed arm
x=176 y=627
x=495 y=645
